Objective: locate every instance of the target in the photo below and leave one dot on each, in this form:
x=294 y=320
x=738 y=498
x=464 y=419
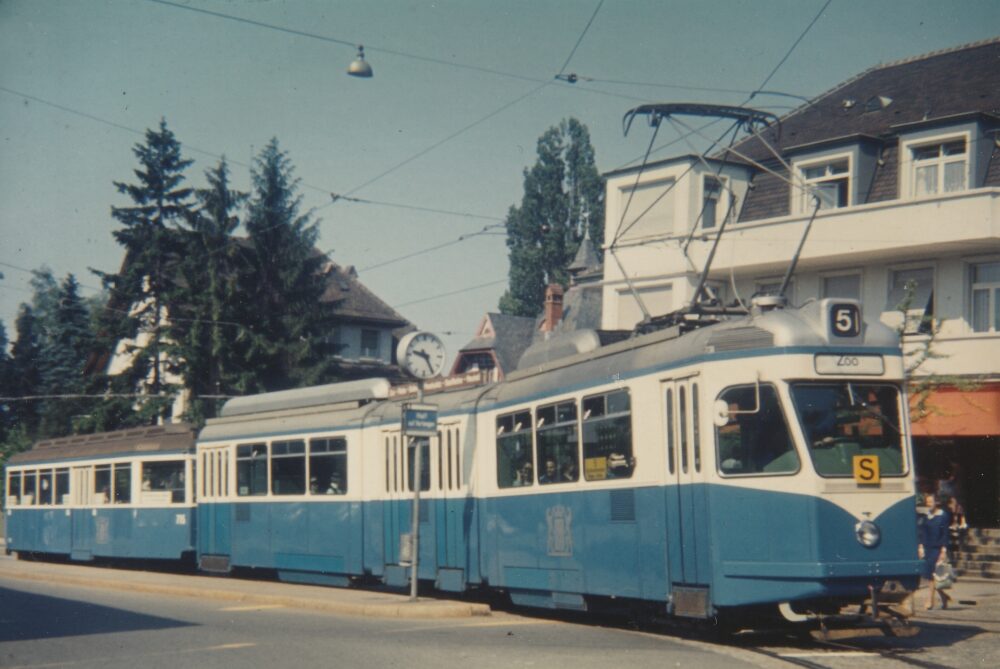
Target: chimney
x=553 y=307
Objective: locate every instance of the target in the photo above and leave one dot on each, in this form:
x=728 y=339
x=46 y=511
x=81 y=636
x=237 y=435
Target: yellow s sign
x=866 y=470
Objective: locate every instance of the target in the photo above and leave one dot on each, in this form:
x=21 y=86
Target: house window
x=772 y=287
x=844 y=285
x=985 y=279
x=829 y=182
x=912 y=291
x=711 y=194
x=939 y=168
x=369 y=343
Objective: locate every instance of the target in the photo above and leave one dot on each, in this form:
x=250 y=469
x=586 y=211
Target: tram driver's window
x=288 y=467
x=558 y=443
x=755 y=439
x=251 y=470
x=515 y=462
x=607 y=436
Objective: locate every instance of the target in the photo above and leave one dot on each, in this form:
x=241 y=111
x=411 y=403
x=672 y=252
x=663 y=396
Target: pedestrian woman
x=934 y=535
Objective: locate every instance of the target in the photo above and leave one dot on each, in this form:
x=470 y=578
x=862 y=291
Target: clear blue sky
x=461 y=92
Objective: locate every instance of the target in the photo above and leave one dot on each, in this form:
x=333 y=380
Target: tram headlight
x=867 y=533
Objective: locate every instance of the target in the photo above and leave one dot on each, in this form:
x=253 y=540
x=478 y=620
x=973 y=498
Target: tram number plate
x=866 y=470
x=847 y=364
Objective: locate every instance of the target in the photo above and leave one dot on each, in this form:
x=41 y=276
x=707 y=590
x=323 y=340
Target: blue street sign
x=420 y=420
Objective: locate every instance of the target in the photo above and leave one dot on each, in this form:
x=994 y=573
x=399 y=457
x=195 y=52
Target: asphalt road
x=53 y=625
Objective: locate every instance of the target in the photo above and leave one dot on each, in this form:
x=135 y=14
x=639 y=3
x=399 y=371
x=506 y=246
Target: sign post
x=419 y=422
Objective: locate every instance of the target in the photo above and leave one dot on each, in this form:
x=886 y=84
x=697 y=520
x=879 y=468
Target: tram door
x=82 y=520
x=686 y=531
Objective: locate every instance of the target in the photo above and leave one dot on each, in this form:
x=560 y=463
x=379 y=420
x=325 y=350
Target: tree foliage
x=285 y=334
x=563 y=199
x=147 y=282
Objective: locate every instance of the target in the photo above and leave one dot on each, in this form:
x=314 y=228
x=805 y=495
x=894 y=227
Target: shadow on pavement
x=26 y=616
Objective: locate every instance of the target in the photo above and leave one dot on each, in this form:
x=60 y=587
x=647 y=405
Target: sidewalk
x=345 y=601
x=974 y=602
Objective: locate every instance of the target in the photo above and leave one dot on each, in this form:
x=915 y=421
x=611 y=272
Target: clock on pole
x=421 y=354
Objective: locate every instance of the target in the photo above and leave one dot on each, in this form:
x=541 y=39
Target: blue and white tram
x=757 y=462
x=110 y=495
x=760 y=463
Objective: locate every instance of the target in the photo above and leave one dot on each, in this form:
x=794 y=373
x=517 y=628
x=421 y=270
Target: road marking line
x=835 y=653
x=518 y=623
x=257 y=607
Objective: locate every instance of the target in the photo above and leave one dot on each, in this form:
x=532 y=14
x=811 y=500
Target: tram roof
x=173 y=437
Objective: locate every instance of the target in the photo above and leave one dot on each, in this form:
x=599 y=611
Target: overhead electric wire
x=450 y=293
x=580 y=38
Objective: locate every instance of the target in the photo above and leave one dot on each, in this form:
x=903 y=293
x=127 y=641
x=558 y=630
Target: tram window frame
x=61 y=491
x=328 y=462
x=606 y=436
x=671 y=461
x=759 y=406
x=122 y=482
x=682 y=427
x=424 y=443
x=45 y=490
x=288 y=467
x=102 y=484
x=557 y=438
x=249 y=458
x=855 y=432
x=13 y=490
x=695 y=428
x=162 y=481
x=515 y=449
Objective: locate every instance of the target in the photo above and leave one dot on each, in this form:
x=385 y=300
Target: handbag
x=944 y=576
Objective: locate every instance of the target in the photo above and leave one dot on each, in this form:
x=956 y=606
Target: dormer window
x=828 y=180
x=940 y=167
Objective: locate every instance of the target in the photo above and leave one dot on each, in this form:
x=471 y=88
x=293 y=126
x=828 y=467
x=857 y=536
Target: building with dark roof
x=365 y=335
x=896 y=175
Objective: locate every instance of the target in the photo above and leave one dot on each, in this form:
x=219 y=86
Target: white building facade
x=903 y=163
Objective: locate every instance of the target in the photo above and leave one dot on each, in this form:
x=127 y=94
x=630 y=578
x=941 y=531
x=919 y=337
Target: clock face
x=421 y=354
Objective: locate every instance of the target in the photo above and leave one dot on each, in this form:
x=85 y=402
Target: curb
x=388 y=609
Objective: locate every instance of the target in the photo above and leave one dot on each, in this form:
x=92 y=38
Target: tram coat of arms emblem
x=560 y=523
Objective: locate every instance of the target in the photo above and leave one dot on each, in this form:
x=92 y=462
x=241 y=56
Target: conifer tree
x=563 y=198
x=280 y=284
x=67 y=343
x=25 y=366
x=146 y=285
x=206 y=328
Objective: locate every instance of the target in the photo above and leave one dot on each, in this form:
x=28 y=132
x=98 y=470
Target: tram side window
x=123 y=483
x=163 y=480
x=328 y=466
x=45 y=487
x=288 y=467
x=14 y=488
x=251 y=470
x=515 y=461
x=102 y=484
x=755 y=439
x=62 y=486
x=558 y=443
x=607 y=437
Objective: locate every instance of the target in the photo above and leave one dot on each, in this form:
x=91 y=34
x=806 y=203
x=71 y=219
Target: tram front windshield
x=842 y=420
